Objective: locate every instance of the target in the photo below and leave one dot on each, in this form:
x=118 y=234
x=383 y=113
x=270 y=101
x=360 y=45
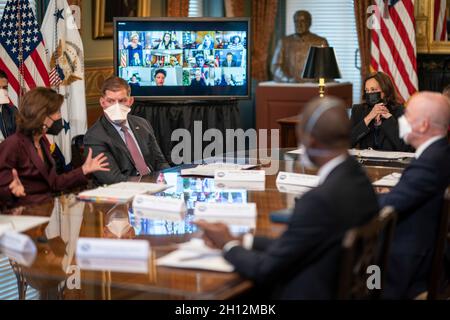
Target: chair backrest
x=437 y=264
x=77 y=151
x=364 y=248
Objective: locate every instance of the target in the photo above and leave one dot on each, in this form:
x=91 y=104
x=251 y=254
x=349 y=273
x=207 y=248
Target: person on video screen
x=229 y=61
x=198 y=80
x=200 y=61
x=134 y=51
x=167 y=43
x=134 y=82
x=227 y=80
x=236 y=43
x=160 y=77
x=207 y=44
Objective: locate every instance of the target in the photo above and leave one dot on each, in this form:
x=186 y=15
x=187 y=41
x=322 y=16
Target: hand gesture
x=16 y=186
x=215 y=235
x=99 y=163
x=378 y=112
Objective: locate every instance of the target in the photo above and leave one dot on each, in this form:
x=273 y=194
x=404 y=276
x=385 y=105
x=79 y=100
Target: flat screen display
x=198 y=58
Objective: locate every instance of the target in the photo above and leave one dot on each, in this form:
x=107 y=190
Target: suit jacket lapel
x=115 y=137
x=37 y=161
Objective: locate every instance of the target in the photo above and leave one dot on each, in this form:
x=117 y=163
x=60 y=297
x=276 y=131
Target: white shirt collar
x=420 y=150
x=328 y=167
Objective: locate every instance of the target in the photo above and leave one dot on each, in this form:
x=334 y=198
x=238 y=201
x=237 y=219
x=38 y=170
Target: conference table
x=54 y=269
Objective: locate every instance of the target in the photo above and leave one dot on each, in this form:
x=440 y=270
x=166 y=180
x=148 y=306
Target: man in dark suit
x=127 y=141
x=418 y=197
x=303 y=262
x=7 y=111
x=229 y=62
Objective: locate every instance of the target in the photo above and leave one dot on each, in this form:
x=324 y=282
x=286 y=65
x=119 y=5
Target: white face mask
x=404 y=129
x=117 y=112
x=4 y=97
x=119 y=227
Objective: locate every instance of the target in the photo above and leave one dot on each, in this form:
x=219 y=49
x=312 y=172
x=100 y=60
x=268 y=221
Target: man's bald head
x=431 y=110
x=326 y=121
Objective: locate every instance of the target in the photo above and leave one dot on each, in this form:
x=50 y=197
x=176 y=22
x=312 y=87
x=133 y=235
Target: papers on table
x=121 y=192
x=159 y=208
x=386 y=155
x=390 y=180
x=20 y=223
x=370 y=154
x=196 y=255
x=209 y=170
x=237 y=214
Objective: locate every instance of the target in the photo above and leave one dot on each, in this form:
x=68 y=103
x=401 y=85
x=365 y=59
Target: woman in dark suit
x=27 y=153
x=374 y=123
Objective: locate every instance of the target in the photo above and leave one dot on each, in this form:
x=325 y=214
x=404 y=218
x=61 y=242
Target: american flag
x=22 y=50
x=393 y=48
x=440 y=20
x=56 y=76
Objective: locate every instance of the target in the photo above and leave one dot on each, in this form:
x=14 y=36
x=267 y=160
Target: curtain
x=234 y=8
x=364 y=36
x=264 y=13
x=177 y=8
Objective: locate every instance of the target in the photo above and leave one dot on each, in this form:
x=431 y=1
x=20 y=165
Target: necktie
x=138 y=159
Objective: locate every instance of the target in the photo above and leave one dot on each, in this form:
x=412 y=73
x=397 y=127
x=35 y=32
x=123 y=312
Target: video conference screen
x=183 y=58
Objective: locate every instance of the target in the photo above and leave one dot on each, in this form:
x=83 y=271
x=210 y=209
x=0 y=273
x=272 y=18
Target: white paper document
x=387 y=155
x=390 y=180
x=196 y=255
x=298 y=179
x=208 y=170
x=121 y=192
x=236 y=214
x=20 y=223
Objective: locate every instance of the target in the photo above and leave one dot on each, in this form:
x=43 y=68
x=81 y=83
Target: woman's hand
x=16 y=186
x=378 y=111
x=99 y=163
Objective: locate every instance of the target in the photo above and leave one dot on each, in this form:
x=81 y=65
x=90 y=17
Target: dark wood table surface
x=47 y=272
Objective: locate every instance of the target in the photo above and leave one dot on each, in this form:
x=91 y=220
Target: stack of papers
x=387 y=155
x=209 y=170
x=121 y=192
x=196 y=255
x=20 y=223
x=390 y=180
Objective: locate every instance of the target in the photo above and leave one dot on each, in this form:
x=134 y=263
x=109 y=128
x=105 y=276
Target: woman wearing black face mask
x=374 y=123
x=28 y=153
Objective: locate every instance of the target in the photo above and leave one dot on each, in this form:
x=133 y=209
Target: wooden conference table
x=70 y=219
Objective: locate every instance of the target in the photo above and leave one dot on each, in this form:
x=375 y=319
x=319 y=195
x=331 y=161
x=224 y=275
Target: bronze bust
x=292 y=51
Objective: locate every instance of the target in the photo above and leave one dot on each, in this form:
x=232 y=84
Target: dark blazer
x=40 y=181
x=363 y=136
x=8 y=120
x=303 y=263
x=418 y=199
x=225 y=64
x=103 y=137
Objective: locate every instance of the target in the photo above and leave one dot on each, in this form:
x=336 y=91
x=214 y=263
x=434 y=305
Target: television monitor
x=184 y=58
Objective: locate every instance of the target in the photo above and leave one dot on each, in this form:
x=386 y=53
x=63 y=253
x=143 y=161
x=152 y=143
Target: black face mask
x=55 y=128
x=373 y=98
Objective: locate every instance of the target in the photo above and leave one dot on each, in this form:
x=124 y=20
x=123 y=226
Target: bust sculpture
x=292 y=51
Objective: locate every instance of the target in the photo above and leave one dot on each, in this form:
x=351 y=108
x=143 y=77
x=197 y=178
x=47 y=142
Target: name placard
x=114 y=265
x=160 y=204
x=113 y=249
x=305 y=180
x=240 y=185
x=242 y=214
x=19 y=242
x=240 y=175
x=5 y=227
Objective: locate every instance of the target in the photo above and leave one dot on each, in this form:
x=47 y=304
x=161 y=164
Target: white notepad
x=196 y=255
x=390 y=180
x=121 y=192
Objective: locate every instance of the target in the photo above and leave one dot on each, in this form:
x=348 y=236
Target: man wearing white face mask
x=7 y=111
x=127 y=141
x=303 y=262
x=418 y=197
